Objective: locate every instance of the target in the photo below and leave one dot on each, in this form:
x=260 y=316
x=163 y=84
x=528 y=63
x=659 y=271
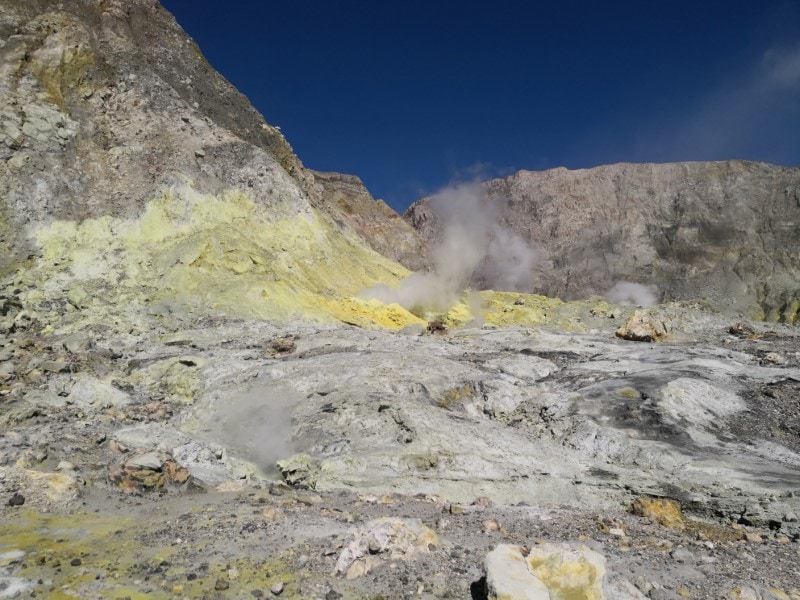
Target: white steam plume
x=626 y=293
x=256 y=424
x=474 y=248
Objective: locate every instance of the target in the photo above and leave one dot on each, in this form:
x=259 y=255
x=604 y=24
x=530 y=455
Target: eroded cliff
x=728 y=232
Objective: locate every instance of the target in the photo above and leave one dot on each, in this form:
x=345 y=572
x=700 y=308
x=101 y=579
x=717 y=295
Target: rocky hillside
x=728 y=232
x=133 y=174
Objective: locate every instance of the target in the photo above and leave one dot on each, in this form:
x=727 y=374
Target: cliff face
x=132 y=170
x=726 y=231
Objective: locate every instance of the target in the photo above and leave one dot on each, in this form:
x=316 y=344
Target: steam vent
x=226 y=375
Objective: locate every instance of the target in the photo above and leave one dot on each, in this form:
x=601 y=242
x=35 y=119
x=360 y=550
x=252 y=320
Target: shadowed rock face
x=725 y=231
x=346 y=199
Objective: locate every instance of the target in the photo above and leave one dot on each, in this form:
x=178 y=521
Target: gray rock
x=682 y=555
x=46 y=398
x=93 y=392
x=210 y=464
x=147 y=460
x=55 y=366
x=7 y=368
x=15 y=587
x=77 y=342
x=276 y=588
x=151 y=435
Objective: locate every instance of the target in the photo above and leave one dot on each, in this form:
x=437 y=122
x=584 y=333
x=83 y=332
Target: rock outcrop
x=727 y=231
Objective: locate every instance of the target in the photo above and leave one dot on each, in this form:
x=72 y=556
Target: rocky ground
x=138 y=458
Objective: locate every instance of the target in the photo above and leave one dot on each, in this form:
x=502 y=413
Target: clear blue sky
x=412 y=95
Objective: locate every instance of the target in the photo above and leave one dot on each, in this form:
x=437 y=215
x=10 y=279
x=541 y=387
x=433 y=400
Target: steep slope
x=132 y=171
x=727 y=231
x=349 y=202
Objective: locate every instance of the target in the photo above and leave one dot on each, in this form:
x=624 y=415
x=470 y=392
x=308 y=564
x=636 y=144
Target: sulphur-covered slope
x=220 y=254
x=133 y=174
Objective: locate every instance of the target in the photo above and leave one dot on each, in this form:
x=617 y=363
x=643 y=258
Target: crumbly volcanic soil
x=179 y=545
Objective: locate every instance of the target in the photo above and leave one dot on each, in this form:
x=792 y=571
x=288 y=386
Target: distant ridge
x=727 y=232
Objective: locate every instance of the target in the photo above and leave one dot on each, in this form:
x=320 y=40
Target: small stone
x=483 y=502
x=790 y=517
x=75 y=562
x=16 y=500
x=659 y=593
x=65 y=465
x=490 y=525
x=276 y=588
x=302 y=561
x=682 y=555
x=284 y=345
x=199 y=153
x=752 y=537
x=617 y=532
x=78 y=297
x=221 y=584
x=455 y=509
x=270 y=513
x=374 y=545
x=55 y=366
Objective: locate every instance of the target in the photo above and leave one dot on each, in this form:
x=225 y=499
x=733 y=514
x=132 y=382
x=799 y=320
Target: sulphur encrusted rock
x=664 y=511
x=388 y=537
x=643 y=327
x=545 y=572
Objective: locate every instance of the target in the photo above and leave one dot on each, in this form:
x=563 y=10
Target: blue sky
x=411 y=95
